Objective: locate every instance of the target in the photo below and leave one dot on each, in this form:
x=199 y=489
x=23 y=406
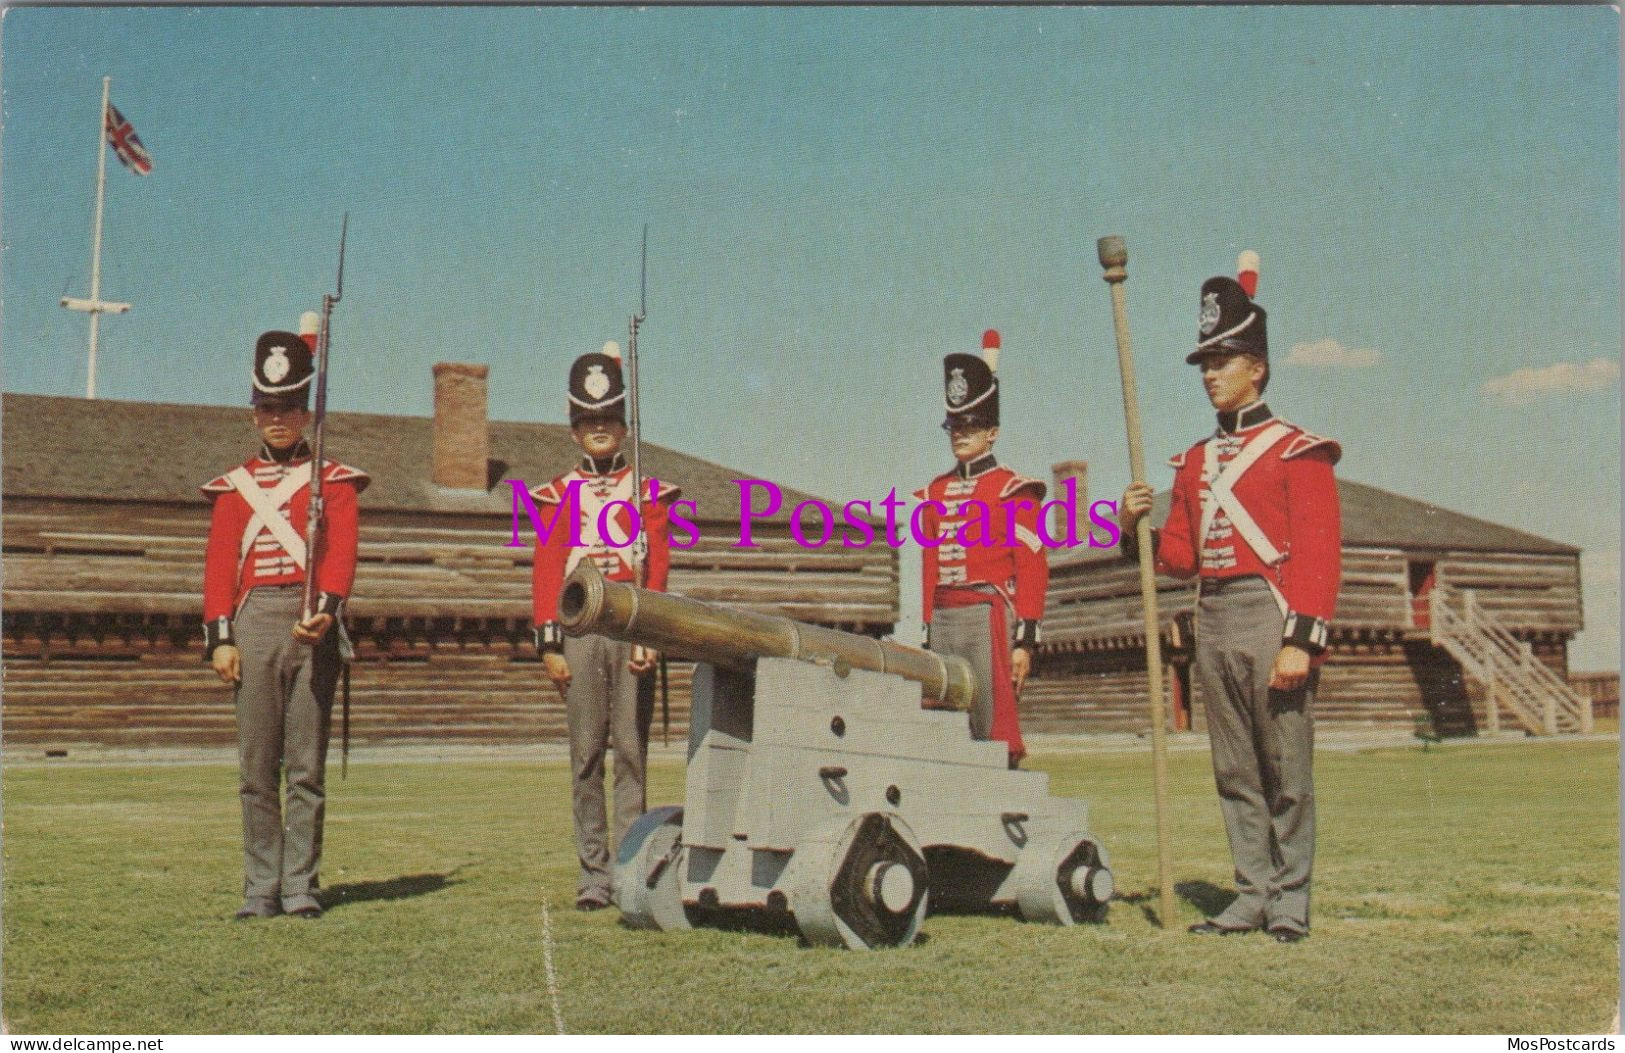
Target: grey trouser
x=1263 y=754
x=605 y=704
x=284 y=711
x=964 y=631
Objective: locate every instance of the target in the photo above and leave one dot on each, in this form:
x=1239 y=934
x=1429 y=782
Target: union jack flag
x=126 y=143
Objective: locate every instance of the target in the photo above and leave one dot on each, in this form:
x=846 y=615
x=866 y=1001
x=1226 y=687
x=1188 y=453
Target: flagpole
x=96 y=240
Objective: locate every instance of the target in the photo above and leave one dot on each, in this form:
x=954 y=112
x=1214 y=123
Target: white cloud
x=1329 y=354
x=1523 y=386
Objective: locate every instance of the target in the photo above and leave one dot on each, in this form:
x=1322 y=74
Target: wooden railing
x=1513 y=678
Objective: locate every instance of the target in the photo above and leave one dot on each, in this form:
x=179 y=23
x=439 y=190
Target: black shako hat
x=971 y=386
x=596 y=387
x=1229 y=321
x=283 y=367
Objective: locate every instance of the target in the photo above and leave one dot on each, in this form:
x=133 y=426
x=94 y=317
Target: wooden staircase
x=1514 y=680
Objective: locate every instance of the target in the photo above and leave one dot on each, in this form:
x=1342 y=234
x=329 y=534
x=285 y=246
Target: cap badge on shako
x=971 y=385
x=283 y=367
x=597 y=384
x=277 y=365
x=1229 y=321
x=596 y=387
x=1210 y=312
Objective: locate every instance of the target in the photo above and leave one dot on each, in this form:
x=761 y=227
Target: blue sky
x=836 y=198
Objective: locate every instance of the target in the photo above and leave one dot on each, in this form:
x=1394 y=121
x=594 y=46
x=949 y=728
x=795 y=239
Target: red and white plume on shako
x=612 y=349
x=1247 y=272
x=990 y=349
x=309 y=323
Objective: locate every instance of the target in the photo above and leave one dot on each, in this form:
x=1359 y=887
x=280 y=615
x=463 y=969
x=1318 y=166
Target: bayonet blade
x=344 y=234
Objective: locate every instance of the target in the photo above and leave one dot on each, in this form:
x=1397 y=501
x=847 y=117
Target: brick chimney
x=1061 y=472
x=462 y=440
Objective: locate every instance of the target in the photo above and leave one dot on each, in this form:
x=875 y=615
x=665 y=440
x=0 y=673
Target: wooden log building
x=104 y=530
x=1437 y=613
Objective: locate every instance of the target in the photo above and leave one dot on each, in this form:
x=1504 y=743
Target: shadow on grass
x=1144 y=900
x=1205 y=896
x=771 y=923
x=403 y=887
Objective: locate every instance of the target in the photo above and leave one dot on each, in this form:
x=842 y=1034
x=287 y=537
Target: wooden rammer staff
x=1113 y=251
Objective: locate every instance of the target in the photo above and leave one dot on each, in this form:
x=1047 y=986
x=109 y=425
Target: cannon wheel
x=648 y=887
x=1063 y=880
x=859 y=883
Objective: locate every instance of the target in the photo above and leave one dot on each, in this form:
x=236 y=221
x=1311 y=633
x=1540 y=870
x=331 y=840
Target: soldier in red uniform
x=283 y=660
x=607 y=685
x=984 y=578
x=1254 y=516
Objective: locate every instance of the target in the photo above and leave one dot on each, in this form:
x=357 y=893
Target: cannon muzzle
x=735 y=639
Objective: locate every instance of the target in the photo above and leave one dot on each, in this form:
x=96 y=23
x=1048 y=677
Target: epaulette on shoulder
x=1178 y=459
x=1018 y=482
x=344 y=473
x=924 y=492
x=548 y=493
x=217 y=486
x=1302 y=442
x=668 y=491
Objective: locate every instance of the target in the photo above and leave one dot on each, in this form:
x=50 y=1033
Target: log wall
x=1365 y=683
x=65 y=557
x=1601 y=688
x=1528 y=593
x=103 y=641
x=1095 y=604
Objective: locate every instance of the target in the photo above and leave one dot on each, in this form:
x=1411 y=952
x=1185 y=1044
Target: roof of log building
x=141 y=451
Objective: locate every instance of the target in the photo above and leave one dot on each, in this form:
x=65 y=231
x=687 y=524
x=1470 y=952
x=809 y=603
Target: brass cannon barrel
x=734 y=639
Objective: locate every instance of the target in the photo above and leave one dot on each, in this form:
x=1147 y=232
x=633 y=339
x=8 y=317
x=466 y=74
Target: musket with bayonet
x=635 y=430
x=634 y=436
x=318 y=507
x=315 y=519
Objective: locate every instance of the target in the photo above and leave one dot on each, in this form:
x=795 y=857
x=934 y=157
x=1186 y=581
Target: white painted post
x=94 y=306
x=1548 y=716
x=96 y=240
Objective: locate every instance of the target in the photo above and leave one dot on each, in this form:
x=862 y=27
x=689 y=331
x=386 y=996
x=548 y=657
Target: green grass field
x=1470 y=889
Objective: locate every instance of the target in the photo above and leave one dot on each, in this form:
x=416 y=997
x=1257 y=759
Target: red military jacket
x=1013 y=562
x=556 y=557
x=245 y=551
x=1262 y=498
